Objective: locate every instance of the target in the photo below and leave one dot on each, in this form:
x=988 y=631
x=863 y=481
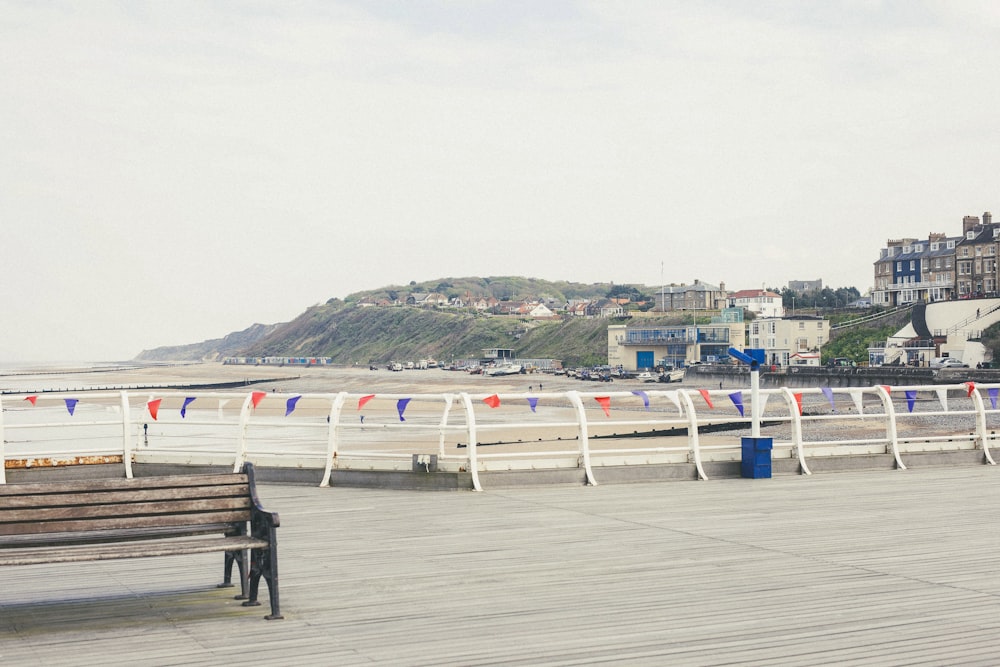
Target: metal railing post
x=333 y=432
x=693 y=433
x=470 y=418
x=891 y=431
x=241 y=440
x=981 y=437
x=448 y=400
x=796 y=423
x=126 y=435
x=3 y=450
x=581 y=413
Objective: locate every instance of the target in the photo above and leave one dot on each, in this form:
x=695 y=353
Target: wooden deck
x=869 y=568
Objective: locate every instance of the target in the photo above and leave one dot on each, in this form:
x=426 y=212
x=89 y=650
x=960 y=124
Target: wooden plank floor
x=873 y=568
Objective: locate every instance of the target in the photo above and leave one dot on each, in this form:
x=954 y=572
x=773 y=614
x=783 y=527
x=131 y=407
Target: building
x=942 y=267
x=637 y=348
x=976 y=258
x=697 y=296
x=913 y=271
x=803 y=286
x=762 y=303
x=781 y=338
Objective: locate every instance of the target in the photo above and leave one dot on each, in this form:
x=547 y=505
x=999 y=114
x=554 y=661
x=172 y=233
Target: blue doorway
x=644 y=360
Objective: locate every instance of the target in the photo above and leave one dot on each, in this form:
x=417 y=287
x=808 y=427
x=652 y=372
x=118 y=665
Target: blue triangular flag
x=644 y=396
x=401 y=407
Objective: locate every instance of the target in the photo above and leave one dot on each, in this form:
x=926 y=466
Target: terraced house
x=939 y=268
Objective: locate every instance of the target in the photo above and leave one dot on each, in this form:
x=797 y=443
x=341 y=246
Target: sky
x=173 y=172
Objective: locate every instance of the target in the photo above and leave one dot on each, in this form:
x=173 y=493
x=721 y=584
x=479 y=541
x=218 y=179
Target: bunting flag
x=829 y=396
x=290 y=404
x=911 y=399
x=31 y=399
x=942 y=395
x=644 y=396
x=992 y=391
x=187 y=401
x=256 y=397
x=704 y=394
x=154 y=407
x=532 y=403
x=737 y=398
x=401 y=407
x=798 y=402
x=763 y=403
x=970 y=387
x=492 y=401
x=605 y=402
x=364 y=399
x=887 y=388
x=676 y=400
x=859 y=400
x=71 y=404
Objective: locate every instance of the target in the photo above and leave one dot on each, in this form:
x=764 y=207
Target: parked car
x=948 y=362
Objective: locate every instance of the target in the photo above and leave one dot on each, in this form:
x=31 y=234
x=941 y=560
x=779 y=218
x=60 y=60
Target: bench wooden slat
x=111 y=536
x=77 y=486
x=114 y=523
x=12 y=520
x=91 y=497
x=74 y=554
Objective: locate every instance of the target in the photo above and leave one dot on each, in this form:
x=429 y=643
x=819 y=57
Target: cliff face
x=210 y=350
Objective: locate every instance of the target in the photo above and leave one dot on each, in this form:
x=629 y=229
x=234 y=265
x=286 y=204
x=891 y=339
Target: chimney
x=987 y=218
x=969 y=223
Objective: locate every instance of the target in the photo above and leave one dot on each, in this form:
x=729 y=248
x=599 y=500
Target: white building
x=781 y=338
x=758 y=301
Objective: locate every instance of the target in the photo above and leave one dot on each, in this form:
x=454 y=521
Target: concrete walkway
x=866 y=568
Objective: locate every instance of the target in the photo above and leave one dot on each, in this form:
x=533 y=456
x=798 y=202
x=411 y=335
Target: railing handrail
x=660 y=410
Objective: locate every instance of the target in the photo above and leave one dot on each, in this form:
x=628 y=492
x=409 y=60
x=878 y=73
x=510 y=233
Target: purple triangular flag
x=532 y=402
x=644 y=396
x=187 y=401
x=737 y=398
x=911 y=398
x=401 y=407
x=71 y=404
x=829 y=396
x=992 y=391
x=290 y=405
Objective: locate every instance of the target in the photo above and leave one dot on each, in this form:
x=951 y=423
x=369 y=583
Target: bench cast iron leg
x=264 y=563
x=241 y=559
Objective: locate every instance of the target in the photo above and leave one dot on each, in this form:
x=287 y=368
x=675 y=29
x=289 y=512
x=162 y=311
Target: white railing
x=478 y=433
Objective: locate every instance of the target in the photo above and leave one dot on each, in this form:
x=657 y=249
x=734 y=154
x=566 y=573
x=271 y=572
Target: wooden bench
x=73 y=521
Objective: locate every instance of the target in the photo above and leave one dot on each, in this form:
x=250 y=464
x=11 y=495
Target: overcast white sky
x=174 y=171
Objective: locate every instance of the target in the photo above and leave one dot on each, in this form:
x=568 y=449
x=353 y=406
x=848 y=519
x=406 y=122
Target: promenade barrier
x=474 y=434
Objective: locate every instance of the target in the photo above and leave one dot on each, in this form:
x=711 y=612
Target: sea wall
x=709 y=375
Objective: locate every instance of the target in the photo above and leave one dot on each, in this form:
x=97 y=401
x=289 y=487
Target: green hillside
x=350 y=335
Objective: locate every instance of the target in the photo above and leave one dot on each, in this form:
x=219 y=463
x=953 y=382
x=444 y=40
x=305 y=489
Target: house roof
x=753 y=293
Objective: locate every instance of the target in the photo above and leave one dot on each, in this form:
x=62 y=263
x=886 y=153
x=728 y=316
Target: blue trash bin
x=756 y=460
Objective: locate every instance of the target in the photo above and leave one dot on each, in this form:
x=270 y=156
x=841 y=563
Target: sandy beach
x=317 y=379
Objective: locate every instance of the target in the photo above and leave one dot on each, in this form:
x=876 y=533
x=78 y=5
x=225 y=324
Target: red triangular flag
x=364 y=399
x=704 y=394
x=971 y=386
x=153 y=407
x=492 y=401
x=605 y=402
x=256 y=397
x=31 y=399
x=798 y=402
x=887 y=388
